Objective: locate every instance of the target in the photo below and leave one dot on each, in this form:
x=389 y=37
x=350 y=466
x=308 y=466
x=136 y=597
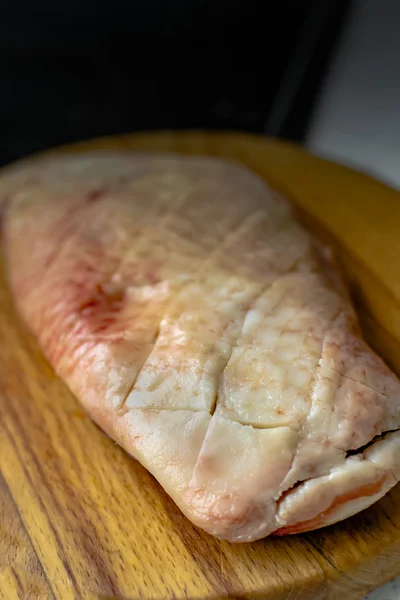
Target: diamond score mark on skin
x=231 y=236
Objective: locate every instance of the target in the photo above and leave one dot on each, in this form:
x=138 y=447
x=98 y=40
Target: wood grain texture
x=21 y=574
x=80 y=519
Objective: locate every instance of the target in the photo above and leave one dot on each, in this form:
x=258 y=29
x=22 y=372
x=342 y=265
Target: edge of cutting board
x=61 y=473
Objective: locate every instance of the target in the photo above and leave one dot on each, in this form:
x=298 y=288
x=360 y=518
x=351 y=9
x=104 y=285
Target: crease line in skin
x=301 y=430
x=301 y=482
x=154 y=408
x=121 y=405
x=344 y=376
x=158 y=224
x=377 y=438
x=302 y=427
x=74 y=228
x=234 y=345
x=261 y=427
x=359 y=452
x=241 y=227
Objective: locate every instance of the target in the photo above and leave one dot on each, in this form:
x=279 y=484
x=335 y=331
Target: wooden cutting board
x=80 y=519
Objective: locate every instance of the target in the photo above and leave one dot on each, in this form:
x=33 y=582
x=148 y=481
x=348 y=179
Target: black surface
x=74 y=70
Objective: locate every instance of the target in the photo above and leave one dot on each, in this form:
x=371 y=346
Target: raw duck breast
x=207 y=333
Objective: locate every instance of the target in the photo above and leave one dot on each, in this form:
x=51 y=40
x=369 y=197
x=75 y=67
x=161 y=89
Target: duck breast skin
x=207 y=333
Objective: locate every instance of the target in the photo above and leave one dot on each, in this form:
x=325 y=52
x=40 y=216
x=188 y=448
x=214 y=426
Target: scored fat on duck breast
x=207 y=333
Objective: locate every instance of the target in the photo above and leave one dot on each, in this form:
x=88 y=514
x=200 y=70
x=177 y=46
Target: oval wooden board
x=80 y=519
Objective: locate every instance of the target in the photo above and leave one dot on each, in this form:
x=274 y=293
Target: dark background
x=73 y=70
